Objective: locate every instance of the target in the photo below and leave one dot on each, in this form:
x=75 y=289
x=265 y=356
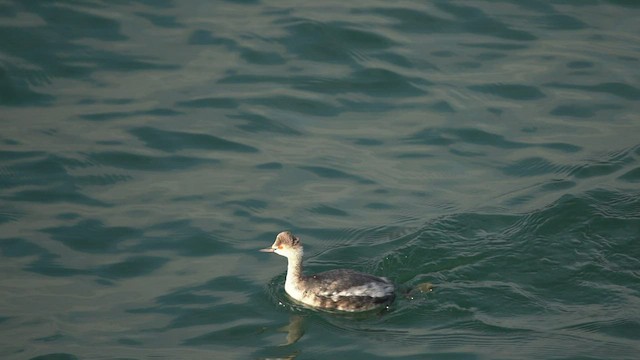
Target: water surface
x=149 y=148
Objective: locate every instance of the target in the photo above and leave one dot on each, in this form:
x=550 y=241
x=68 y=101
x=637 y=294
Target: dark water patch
x=315 y=107
x=496 y=46
x=49 y=265
x=328 y=210
x=443 y=53
x=431 y=136
x=376 y=106
x=29 y=169
x=468 y=64
x=497 y=111
x=368 y=142
x=94 y=26
x=414 y=155
x=370 y=81
x=61 y=194
x=379 y=206
x=335 y=42
x=413 y=20
x=604 y=165
x=70 y=59
x=616 y=205
x=474 y=20
x=68 y=216
x=260 y=57
x=10 y=216
x=466 y=153
x=172 y=141
x=55 y=337
x=200 y=304
x=108 y=101
x=210 y=102
x=180 y=237
x=564 y=147
x=252 y=218
x=531 y=167
x=131 y=161
x=233 y=78
x=581 y=110
x=617 y=89
x=557 y=185
x=561 y=22
x=101 y=180
x=206 y=37
x=163 y=21
x=196 y=294
x=131 y=267
x=92 y=236
x=250 y=204
x=16 y=91
x=594 y=169
x=330 y=173
x=114 y=115
x=580 y=64
x=632 y=176
x=129 y=342
x=56 y=356
x=256 y=123
x=442 y=107
x=510 y=91
x=18 y=247
x=270 y=166
x=399 y=60
x=450 y=136
x=489 y=56
x=618 y=328
x=625 y=3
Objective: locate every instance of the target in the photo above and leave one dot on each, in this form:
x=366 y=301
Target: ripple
x=510 y=91
x=92 y=236
x=133 y=266
x=330 y=173
x=328 y=210
x=131 y=161
x=532 y=167
x=302 y=105
x=210 y=102
x=581 y=110
x=370 y=81
x=61 y=194
x=330 y=41
x=163 y=21
x=111 y=115
x=172 y=141
x=617 y=89
x=632 y=176
x=16 y=91
x=450 y=136
x=56 y=356
x=256 y=123
x=18 y=247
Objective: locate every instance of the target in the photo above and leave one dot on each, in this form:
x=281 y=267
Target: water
x=149 y=148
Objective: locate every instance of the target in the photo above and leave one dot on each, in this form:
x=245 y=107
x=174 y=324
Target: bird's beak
x=268 y=250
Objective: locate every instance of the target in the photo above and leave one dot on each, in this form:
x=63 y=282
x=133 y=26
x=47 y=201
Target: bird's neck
x=294 y=271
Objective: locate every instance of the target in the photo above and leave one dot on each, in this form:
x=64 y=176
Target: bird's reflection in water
x=295 y=329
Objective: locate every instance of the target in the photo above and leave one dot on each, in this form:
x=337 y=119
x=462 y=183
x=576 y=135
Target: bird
x=340 y=289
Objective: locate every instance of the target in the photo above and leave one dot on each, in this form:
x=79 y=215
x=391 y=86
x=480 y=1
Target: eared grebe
x=341 y=289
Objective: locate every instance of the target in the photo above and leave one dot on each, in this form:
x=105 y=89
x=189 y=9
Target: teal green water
x=149 y=148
